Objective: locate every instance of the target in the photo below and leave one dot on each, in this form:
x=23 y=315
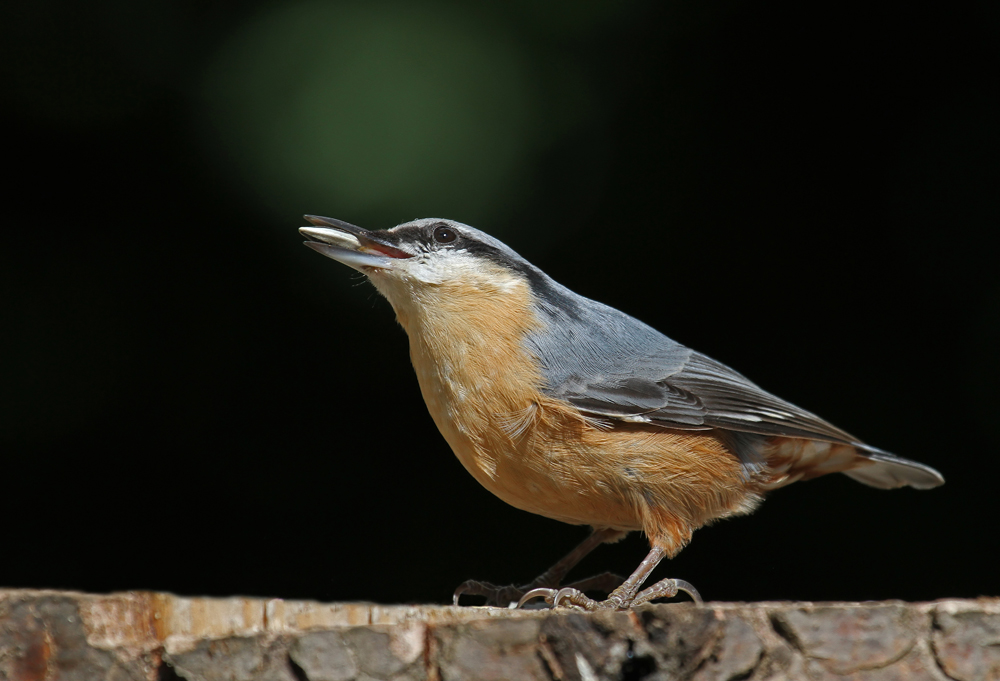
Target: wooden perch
x=160 y=637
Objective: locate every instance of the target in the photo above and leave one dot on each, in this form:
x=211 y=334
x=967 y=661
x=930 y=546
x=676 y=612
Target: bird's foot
x=511 y=596
x=619 y=599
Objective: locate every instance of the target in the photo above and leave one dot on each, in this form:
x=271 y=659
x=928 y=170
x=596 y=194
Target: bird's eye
x=444 y=234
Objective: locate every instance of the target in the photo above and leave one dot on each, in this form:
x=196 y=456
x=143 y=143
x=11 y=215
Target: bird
x=571 y=409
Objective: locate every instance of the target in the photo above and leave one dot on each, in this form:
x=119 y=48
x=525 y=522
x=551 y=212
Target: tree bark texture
x=145 y=636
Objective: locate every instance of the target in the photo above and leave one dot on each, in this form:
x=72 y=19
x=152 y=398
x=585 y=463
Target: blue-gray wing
x=609 y=364
x=700 y=393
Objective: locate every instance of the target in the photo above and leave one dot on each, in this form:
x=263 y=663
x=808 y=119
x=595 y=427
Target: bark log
x=161 y=637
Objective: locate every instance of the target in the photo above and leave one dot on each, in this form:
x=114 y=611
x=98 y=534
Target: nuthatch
x=573 y=410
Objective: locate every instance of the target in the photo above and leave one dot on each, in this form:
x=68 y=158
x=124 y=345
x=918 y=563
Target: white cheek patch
x=441 y=267
x=419 y=285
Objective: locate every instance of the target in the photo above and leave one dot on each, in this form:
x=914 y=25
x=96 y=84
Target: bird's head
x=425 y=263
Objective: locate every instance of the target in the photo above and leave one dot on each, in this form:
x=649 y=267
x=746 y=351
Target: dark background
x=191 y=401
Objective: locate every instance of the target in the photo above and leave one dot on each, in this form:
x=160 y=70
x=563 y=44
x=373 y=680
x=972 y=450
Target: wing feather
x=611 y=365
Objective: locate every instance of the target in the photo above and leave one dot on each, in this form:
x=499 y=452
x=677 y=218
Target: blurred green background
x=191 y=401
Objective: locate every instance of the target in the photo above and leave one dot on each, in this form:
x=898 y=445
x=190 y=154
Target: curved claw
x=665 y=588
x=547 y=594
x=687 y=588
x=573 y=598
x=462 y=588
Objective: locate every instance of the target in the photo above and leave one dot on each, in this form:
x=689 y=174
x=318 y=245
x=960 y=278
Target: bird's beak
x=355 y=247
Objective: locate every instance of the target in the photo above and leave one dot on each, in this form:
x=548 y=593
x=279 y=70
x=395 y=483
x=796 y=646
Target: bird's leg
x=625 y=596
x=555 y=574
x=503 y=595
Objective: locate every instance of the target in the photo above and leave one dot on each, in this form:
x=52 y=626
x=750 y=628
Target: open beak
x=355 y=247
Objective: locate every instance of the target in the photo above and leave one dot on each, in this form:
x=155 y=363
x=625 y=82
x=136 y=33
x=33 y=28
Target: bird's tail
x=888 y=471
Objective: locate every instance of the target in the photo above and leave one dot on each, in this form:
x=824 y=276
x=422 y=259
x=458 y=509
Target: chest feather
x=468 y=352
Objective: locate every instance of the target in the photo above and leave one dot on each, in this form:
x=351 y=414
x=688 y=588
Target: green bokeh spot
x=359 y=109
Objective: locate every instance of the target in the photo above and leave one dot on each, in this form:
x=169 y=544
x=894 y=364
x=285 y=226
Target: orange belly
x=542 y=456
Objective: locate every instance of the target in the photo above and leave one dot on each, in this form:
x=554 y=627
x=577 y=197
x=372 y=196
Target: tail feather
x=888 y=471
